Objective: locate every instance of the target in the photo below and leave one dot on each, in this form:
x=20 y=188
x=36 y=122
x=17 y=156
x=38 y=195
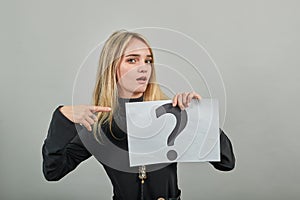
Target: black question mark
x=181 y=121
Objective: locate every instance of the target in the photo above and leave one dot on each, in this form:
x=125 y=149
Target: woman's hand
x=83 y=114
x=183 y=99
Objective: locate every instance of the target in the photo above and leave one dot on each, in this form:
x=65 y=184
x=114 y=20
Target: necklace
x=142 y=176
x=142 y=173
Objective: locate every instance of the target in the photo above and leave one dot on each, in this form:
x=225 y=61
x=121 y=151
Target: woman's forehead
x=136 y=46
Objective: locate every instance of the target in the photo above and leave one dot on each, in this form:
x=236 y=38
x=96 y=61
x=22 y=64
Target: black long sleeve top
x=63 y=151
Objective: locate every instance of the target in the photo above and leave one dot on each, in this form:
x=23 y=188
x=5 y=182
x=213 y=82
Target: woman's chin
x=138 y=93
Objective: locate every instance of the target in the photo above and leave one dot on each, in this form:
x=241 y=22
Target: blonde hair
x=106 y=90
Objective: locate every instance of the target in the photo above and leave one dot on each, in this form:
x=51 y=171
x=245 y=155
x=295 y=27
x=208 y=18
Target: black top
x=63 y=150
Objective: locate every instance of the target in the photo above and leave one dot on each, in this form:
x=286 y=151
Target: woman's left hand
x=183 y=99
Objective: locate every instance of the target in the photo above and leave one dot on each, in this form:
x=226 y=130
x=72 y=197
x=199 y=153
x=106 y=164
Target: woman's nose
x=142 y=69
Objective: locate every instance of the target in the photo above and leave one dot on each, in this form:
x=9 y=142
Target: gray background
x=254 y=43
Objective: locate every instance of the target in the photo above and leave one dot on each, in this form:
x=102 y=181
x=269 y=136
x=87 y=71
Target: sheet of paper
x=160 y=133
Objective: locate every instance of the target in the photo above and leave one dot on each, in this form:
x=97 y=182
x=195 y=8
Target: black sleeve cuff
x=61 y=130
x=227 y=162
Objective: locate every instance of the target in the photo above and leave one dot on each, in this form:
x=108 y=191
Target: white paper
x=199 y=140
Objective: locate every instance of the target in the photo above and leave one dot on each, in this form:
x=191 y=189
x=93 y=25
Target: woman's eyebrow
x=137 y=55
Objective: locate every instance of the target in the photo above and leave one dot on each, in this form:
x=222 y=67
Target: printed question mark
x=181 y=121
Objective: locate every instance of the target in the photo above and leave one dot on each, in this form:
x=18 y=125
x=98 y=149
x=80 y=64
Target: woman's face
x=135 y=69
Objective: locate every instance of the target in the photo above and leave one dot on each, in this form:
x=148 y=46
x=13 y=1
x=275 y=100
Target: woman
x=126 y=73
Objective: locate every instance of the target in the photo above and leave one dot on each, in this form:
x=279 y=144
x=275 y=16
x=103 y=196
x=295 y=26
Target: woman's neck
x=132 y=96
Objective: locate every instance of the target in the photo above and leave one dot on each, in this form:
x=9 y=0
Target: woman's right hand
x=83 y=114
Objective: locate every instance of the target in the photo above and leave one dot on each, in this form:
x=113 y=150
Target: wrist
x=67 y=112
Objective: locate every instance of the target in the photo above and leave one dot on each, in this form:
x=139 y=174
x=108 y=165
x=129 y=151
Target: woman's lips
x=142 y=79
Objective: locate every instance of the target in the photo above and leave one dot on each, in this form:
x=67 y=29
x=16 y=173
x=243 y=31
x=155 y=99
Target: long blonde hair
x=106 y=90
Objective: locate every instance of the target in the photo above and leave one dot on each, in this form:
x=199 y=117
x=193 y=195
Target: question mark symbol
x=181 y=121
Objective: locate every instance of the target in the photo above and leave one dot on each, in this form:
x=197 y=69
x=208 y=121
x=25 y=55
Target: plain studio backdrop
x=255 y=45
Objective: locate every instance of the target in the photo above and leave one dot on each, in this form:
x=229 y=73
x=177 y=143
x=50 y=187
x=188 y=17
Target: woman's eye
x=148 y=61
x=131 y=60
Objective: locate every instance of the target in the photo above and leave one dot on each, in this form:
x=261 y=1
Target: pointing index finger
x=100 y=109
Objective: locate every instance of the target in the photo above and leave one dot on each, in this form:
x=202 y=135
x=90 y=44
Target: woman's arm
x=227 y=162
x=62 y=149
